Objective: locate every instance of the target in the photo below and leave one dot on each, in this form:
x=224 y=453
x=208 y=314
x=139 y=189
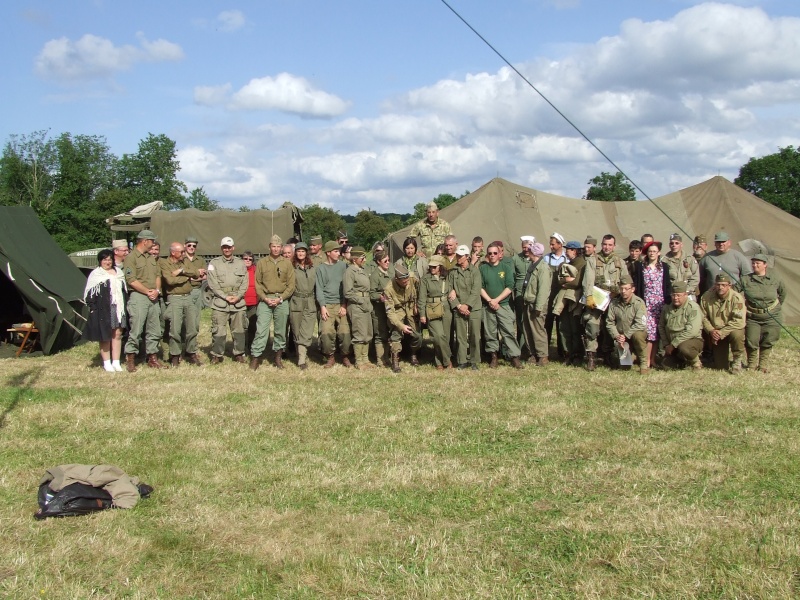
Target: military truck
x=250 y=230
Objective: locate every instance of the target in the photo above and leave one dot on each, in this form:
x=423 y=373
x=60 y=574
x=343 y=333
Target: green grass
x=545 y=483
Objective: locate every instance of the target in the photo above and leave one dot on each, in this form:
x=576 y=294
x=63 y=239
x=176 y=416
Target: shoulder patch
x=210 y=267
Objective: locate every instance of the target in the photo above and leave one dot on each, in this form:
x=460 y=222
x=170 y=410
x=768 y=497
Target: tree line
x=74 y=183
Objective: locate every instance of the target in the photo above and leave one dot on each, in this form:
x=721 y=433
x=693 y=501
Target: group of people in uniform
x=475 y=302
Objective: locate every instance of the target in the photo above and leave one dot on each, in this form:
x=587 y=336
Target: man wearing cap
x=679 y=330
x=120 y=248
x=359 y=307
x=274 y=286
x=176 y=276
x=465 y=302
x=536 y=294
x=199 y=266
x=603 y=269
x=723 y=322
x=682 y=266
x=555 y=258
x=497 y=286
x=144 y=282
x=723 y=260
x=764 y=295
x=570 y=275
x=430 y=231
x=699 y=247
x=341 y=238
x=315 y=250
x=228 y=281
x=626 y=322
x=402 y=315
x=329 y=290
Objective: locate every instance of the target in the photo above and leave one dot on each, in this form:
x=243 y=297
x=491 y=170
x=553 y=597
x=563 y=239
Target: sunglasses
x=191 y=245
x=492 y=253
x=247 y=258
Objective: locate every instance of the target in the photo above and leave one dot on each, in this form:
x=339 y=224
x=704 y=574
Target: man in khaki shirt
x=723 y=322
x=177 y=274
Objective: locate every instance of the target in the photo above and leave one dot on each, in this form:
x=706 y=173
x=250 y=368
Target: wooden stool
x=30 y=336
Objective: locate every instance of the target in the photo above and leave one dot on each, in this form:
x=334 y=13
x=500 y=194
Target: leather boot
x=387 y=355
x=216 y=360
x=255 y=362
x=590 y=366
x=175 y=360
x=330 y=363
x=493 y=360
x=515 y=362
x=346 y=361
x=240 y=359
x=130 y=363
x=396 y=362
x=154 y=363
x=193 y=359
x=278 y=359
x=302 y=356
x=763 y=359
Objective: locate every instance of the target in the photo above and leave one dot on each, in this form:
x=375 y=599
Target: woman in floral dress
x=654 y=287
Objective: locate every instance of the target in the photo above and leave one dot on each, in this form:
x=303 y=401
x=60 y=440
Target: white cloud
x=288 y=93
x=230 y=20
x=93 y=57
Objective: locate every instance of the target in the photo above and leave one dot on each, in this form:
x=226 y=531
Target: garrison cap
x=625 y=278
x=700 y=239
x=276 y=239
x=331 y=246
x=119 y=244
x=675 y=237
x=341 y=234
x=316 y=239
x=723 y=278
x=679 y=287
x=146 y=234
x=590 y=240
x=432 y=206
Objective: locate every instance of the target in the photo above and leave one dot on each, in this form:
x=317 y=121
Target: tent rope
x=595 y=146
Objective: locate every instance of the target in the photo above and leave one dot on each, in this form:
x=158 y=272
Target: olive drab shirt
x=604 y=272
x=467 y=284
x=304 y=282
x=378 y=280
x=180 y=284
x=683 y=267
x=540 y=281
x=429 y=236
x=274 y=277
x=193 y=267
x=433 y=289
x=722 y=314
x=763 y=294
x=624 y=318
x=357 y=287
x=401 y=304
x=678 y=325
x=142 y=268
x=228 y=278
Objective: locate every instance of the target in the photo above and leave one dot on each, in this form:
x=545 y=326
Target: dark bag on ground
x=77 y=499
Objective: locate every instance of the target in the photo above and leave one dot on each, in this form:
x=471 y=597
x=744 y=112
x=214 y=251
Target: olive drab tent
x=502 y=210
x=39 y=282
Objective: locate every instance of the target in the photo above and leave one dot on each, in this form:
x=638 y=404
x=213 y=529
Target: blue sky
x=379 y=104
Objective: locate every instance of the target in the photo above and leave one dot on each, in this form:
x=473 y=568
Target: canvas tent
x=502 y=210
x=39 y=282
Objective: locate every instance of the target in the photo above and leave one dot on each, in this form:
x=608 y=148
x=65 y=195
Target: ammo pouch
x=434 y=309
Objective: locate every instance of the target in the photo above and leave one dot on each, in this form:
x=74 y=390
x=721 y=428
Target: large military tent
x=39 y=282
x=502 y=210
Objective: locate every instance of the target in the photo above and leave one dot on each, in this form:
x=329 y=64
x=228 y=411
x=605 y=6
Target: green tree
x=774 y=178
x=318 y=220
x=370 y=228
x=26 y=171
x=199 y=199
x=152 y=173
x=610 y=188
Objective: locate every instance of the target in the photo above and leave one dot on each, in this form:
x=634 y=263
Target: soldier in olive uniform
x=465 y=302
x=626 y=322
x=723 y=322
x=434 y=310
x=227 y=281
x=569 y=280
x=177 y=274
x=536 y=296
x=359 y=307
x=402 y=314
x=603 y=269
x=682 y=266
x=144 y=282
x=380 y=276
x=274 y=286
x=764 y=294
x=303 y=305
x=679 y=329
x=198 y=265
x=329 y=290
x=315 y=252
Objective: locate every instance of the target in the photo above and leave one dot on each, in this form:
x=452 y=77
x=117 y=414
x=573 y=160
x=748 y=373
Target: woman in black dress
x=105 y=297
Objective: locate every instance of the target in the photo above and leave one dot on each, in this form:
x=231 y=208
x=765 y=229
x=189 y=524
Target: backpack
x=77 y=499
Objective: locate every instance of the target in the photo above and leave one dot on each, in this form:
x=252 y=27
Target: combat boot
x=255 y=362
x=330 y=362
x=395 y=362
x=414 y=360
x=175 y=360
x=193 y=359
x=154 y=363
x=130 y=363
x=279 y=359
x=346 y=360
x=590 y=364
x=493 y=360
x=763 y=359
x=515 y=362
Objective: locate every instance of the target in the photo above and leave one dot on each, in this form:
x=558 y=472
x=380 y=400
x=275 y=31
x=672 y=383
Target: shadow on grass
x=18 y=385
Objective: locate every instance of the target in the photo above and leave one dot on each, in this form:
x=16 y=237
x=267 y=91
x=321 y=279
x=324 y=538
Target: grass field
x=544 y=483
